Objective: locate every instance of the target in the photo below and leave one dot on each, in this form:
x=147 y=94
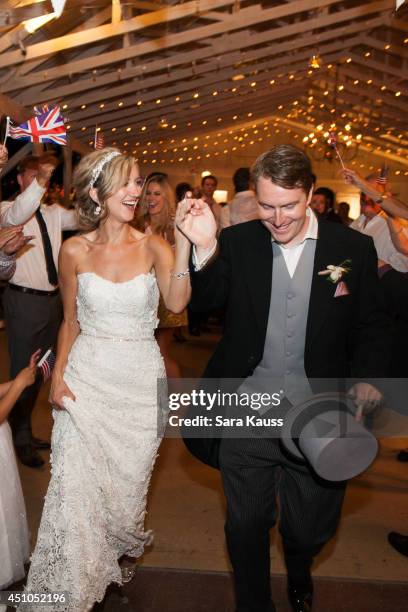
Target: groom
x=283 y=321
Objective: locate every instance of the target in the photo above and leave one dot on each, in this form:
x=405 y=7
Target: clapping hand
x=196 y=221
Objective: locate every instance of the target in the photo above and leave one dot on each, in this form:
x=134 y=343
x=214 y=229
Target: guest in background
x=322 y=203
x=14 y=542
x=244 y=206
x=343 y=212
x=209 y=184
x=377 y=193
x=31 y=301
x=157 y=212
x=390 y=235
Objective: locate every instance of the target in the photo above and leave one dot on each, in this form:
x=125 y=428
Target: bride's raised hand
x=196 y=221
x=59 y=390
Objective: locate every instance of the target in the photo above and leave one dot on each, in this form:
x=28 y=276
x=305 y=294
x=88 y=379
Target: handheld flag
x=382 y=178
x=47 y=127
x=332 y=141
x=46 y=364
x=99 y=139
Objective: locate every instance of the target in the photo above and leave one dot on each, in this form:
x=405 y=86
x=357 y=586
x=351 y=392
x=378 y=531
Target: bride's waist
x=137 y=337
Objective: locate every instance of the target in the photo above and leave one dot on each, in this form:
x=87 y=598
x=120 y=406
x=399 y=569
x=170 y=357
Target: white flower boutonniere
x=335 y=274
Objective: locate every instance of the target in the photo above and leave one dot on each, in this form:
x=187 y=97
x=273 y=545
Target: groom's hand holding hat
x=366 y=398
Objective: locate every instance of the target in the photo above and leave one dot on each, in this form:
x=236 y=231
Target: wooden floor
x=176 y=591
x=188 y=569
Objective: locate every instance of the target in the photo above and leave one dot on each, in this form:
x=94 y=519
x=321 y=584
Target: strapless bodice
x=117 y=311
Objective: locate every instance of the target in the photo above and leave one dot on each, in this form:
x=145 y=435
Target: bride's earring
x=93 y=194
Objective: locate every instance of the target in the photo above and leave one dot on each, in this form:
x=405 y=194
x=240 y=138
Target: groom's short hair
x=286 y=166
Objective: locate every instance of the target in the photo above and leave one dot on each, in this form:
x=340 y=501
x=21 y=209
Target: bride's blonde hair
x=113 y=175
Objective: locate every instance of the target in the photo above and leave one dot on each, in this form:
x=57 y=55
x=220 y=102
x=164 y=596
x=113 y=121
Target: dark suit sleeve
x=371 y=337
x=210 y=286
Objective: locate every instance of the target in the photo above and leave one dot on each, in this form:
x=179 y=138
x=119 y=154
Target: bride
x=104 y=387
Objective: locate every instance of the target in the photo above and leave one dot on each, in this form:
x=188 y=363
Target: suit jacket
x=347 y=336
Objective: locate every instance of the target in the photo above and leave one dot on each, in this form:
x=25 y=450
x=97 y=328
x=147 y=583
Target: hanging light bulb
x=315 y=62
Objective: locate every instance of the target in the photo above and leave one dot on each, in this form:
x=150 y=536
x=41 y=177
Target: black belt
x=33 y=291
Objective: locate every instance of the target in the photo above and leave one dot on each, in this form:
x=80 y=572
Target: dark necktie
x=49 y=259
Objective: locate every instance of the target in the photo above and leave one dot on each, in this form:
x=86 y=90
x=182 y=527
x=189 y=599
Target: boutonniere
x=335 y=274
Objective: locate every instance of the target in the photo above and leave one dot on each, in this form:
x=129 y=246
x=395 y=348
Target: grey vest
x=282 y=366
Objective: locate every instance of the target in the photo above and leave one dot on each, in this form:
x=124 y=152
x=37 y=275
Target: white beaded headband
x=98 y=168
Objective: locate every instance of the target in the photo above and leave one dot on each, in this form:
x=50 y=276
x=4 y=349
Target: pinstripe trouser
x=257 y=475
x=32 y=323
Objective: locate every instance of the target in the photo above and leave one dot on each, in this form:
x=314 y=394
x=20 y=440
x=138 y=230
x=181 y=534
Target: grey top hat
x=324 y=432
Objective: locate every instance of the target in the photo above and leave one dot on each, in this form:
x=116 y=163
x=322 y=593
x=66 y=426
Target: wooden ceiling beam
x=207 y=108
x=260 y=106
x=233 y=57
x=398 y=24
x=381 y=67
x=306 y=128
x=94 y=21
x=70 y=41
x=375 y=43
x=393 y=101
x=181 y=81
x=350 y=104
x=252 y=16
x=205 y=85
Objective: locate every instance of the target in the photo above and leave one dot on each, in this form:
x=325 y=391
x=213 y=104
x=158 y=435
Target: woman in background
x=157 y=212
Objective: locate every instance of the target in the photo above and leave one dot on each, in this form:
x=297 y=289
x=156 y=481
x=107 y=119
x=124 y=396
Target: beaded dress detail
x=103 y=445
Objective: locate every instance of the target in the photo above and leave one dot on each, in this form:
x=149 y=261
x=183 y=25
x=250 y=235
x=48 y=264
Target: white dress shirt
x=243 y=207
x=293 y=252
x=31 y=269
x=378 y=229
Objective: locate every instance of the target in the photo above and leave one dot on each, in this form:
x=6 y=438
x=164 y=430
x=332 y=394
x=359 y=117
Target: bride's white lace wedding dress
x=103 y=445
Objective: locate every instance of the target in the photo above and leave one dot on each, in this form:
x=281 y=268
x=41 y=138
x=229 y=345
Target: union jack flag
x=46 y=127
x=46 y=364
x=99 y=140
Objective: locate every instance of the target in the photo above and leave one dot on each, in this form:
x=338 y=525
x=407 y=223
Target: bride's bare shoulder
x=77 y=245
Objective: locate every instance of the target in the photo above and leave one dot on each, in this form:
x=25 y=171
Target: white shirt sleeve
x=225 y=217
x=198 y=265
x=69 y=218
x=23 y=207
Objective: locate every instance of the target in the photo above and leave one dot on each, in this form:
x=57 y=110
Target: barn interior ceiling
x=179 y=80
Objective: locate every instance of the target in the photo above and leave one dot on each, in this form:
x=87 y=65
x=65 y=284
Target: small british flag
x=99 y=140
x=46 y=127
x=46 y=364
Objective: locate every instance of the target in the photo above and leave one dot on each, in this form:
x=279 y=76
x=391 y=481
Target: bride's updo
x=107 y=170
